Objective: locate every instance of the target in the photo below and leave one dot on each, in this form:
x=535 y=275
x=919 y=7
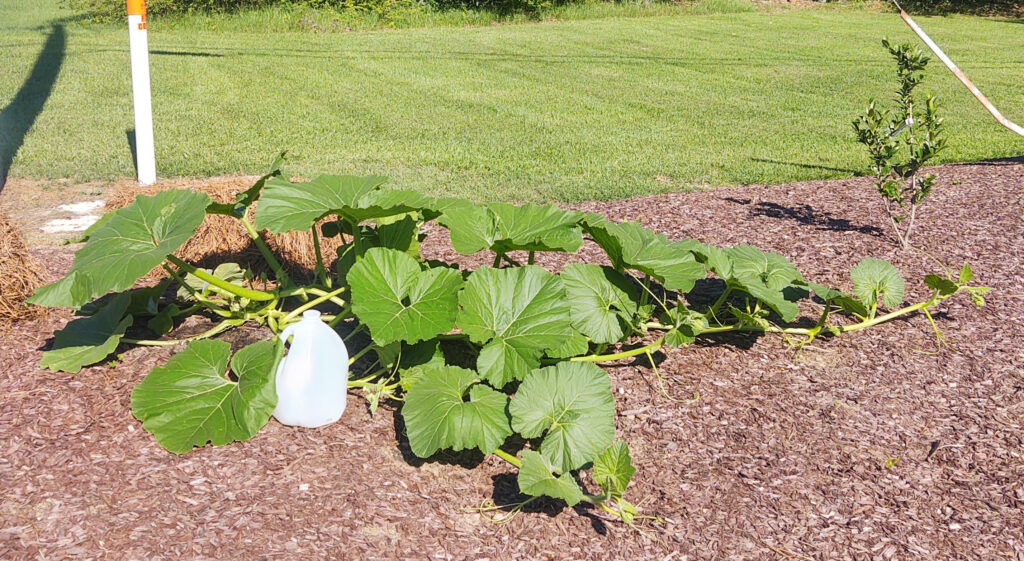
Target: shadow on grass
x=20 y=114
x=805 y=166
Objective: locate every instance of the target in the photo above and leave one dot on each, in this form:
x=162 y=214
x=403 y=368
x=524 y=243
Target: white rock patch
x=80 y=220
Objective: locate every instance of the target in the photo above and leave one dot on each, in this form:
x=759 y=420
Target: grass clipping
x=20 y=275
x=222 y=239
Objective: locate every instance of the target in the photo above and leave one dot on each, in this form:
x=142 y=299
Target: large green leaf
x=517 y=314
x=470 y=226
x=287 y=206
x=602 y=301
x=535 y=479
x=766 y=276
x=89 y=340
x=438 y=416
x=401 y=302
x=613 y=469
x=874 y=279
x=750 y=265
x=190 y=401
x=533 y=227
x=385 y=203
x=73 y=290
x=575 y=345
x=631 y=246
x=128 y=246
x=571 y=405
x=504 y=227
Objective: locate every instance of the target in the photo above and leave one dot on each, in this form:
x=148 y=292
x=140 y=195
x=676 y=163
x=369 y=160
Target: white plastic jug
x=312 y=378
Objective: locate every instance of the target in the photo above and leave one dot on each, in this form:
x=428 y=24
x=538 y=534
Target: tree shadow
x=1013 y=160
x=805 y=166
x=808 y=216
x=20 y=114
x=197 y=54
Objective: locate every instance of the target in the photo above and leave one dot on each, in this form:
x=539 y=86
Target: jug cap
x=311 y=314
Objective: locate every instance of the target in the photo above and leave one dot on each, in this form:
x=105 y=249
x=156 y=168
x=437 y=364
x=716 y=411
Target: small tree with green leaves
x=900 y=143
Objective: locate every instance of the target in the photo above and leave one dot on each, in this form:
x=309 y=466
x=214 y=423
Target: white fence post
x=138 y=43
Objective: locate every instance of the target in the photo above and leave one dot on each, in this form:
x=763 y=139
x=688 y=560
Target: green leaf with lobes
x=287 y=206
x=601 y=300
x=536 y=479
x=88 y=340
x=874 y=279
x=517 y=314
x=438 y=416
x=750 y=264
x=470 y=227
x=570 y=404
x=575 y=345
x=613 y=469
x=504 y=227
x=631 y=246
x=766 y=276
x=944 y=286
x=400 y=302
x=190 y=401
x=131 y=243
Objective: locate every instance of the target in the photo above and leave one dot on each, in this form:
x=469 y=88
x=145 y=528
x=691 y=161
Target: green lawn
x=599 y=108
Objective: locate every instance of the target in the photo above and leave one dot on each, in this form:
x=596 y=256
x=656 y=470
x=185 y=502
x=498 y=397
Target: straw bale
x=20 y=275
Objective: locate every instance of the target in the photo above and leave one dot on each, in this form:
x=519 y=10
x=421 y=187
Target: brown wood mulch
x=872 y=446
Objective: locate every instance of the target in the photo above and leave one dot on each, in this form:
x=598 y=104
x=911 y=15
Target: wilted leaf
x=131 y=243
x=88 y=340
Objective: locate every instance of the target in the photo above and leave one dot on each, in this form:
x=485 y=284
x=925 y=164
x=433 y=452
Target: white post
x=139 y=45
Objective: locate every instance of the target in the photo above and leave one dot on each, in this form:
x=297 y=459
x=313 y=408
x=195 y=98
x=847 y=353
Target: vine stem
x=202 y=301
x=275 y=265
x=331 y=296
x=625 y=354
x=319 y=300
x=785 y=330
x=239 y=291
x=222 y=326
x=508 y=458
x=320 y=270
x=359 y=355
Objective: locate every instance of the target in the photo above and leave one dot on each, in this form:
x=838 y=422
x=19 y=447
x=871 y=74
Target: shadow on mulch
x=807 y=215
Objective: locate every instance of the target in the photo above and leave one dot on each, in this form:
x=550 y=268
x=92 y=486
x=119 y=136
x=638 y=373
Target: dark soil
x=876 y=445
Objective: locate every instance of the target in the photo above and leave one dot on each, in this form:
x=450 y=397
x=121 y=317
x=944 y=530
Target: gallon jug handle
x=287 y=332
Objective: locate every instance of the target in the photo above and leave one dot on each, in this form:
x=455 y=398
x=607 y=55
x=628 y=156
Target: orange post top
x=136 y=7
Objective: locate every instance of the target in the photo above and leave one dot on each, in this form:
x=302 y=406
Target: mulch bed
x=872 y=446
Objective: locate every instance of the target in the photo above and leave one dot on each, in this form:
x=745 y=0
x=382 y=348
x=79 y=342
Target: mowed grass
x=554 y=111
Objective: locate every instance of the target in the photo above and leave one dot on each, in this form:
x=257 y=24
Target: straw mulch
x=222 y=239
x=20 y=275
